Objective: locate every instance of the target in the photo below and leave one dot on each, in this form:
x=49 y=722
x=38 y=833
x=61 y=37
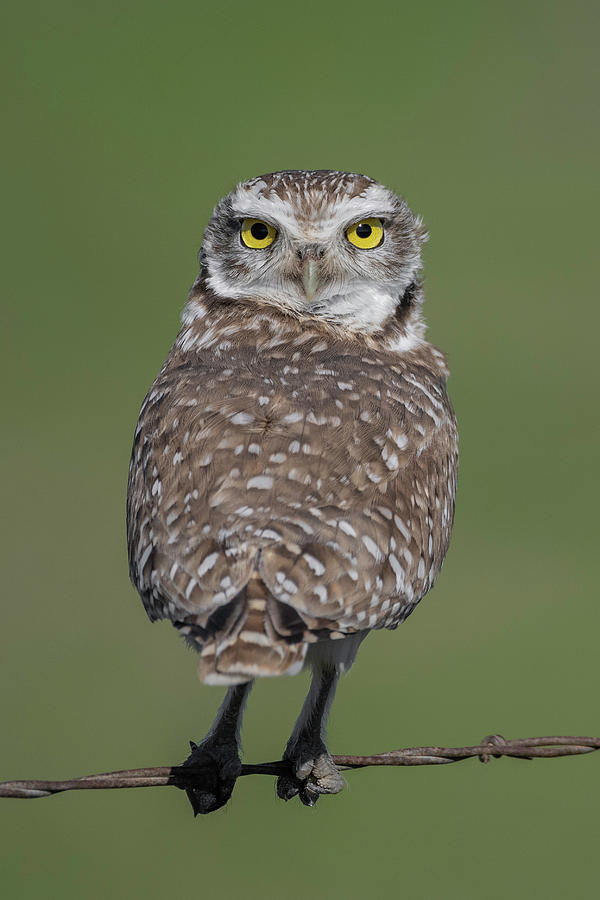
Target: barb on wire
x=185 y=777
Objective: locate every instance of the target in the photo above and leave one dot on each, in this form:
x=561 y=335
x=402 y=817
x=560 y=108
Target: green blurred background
x=123 y=125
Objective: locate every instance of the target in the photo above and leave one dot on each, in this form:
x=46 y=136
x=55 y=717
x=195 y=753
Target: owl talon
x=312 y=778
x=221 y=766
x=308 y=797
x=287 y=787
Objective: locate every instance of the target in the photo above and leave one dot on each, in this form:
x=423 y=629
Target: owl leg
x=218 y=754
x=314 y=772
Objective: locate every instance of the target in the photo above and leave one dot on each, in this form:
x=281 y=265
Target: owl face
x=323 y=244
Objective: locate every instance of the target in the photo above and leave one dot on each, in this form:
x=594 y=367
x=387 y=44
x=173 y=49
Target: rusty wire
x=184 y=777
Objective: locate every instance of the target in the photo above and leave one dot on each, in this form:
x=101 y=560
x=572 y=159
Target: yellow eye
x=366 y=234
x=257 y=234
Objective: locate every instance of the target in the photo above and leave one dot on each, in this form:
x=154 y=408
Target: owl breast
x=325 y=474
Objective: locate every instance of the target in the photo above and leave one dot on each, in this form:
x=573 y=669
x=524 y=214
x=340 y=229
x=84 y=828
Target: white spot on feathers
x=260 y=482
x=315 y=564
x=207 y=564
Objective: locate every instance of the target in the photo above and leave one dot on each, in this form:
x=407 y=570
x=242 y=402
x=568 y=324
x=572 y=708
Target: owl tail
x=259 y=637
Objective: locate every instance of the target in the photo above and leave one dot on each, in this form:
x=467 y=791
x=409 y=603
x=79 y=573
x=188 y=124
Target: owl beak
x=310 y=268
x=310 y=278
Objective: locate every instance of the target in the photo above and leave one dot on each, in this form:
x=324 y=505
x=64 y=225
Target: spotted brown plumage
x=294 y=466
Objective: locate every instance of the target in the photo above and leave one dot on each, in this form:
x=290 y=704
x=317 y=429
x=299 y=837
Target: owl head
x=327 y=245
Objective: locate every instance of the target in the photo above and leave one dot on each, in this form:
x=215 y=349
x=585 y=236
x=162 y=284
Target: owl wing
x=330 y=484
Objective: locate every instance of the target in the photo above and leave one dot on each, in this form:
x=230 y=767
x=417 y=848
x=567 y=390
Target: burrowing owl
x=294 y=466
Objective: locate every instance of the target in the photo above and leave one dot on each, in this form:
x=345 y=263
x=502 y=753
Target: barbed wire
x=493 y=746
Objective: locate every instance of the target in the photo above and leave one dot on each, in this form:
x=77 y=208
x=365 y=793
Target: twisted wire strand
x=492 y=746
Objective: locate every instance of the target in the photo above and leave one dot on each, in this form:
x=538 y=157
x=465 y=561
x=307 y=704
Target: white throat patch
x=360 y=305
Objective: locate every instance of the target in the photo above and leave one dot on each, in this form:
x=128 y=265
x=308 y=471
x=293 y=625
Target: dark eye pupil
x=363 y=230
x=259 y=231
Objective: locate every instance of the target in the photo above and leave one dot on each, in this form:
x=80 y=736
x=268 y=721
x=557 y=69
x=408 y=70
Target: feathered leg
x=218 y=753
x=314 y=770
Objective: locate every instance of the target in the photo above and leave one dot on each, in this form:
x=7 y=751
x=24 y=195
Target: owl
x=293 y=472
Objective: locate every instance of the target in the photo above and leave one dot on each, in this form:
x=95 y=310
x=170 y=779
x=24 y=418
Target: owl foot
x=312 y=777
x=221 y=766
